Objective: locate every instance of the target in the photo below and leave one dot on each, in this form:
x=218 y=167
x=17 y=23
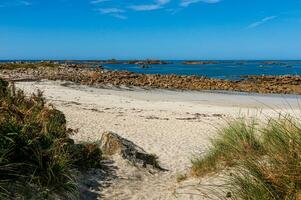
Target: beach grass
x=27 y=65
x=234 y=142
x=266 y=159
x=38 y=159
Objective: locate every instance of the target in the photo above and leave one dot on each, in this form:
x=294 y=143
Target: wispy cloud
x=98 y=1
x=145 y=7
x=158 y=4
x=25 y=3
x=262 y=21
x=119 y=9
x=12 y=3
x=110 y=10
x=186 y=3
x=114 y=12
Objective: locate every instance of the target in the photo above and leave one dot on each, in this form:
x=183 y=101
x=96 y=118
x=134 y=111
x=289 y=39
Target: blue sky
x=162 y=29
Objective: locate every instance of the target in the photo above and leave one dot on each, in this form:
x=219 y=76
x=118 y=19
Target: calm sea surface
x=224 y=69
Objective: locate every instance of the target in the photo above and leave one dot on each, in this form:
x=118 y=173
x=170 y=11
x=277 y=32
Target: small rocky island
x=147 y=62
x=135 y=62
x=195 y=62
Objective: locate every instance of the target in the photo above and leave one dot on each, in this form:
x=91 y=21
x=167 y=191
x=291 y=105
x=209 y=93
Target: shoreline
x=99 y=77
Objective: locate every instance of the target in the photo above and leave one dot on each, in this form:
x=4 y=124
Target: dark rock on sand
x=112 y=144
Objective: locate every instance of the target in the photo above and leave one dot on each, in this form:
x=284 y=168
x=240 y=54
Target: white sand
x=174 y=125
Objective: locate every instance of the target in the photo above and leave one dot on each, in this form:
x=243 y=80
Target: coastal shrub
x=27 y=65
x=87 y=155
x=37 y=157
x=273 y=170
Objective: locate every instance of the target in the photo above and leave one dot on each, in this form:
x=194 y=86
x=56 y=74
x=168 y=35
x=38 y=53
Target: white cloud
x=119 y=16
x=262 y=21
x=15 y=3
x=114 y=12
x=110 y=10
x=158 y=4
x=153 y=5
x=145 y=7
x=25 y=3
x=162 y=2
x=186 y=3
x=98 y=1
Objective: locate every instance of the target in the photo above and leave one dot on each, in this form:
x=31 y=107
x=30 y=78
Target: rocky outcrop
x=135 y=62
x=147 y=62
x=112 y=144
x=112 y=61
x=144 y=66
x=194 y=62
x=273 y=63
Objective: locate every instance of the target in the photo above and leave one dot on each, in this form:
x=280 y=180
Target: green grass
x=38 y=160
x=26 y=65
x=234 y=142
x=266 y=159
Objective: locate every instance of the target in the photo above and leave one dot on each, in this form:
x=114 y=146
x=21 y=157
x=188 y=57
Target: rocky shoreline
x=102 y=78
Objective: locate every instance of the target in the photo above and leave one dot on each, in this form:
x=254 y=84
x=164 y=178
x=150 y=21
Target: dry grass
x=267 y=159
x=234 y=142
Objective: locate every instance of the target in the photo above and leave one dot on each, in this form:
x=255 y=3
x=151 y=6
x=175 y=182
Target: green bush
x=37 y=158
x=87 y=155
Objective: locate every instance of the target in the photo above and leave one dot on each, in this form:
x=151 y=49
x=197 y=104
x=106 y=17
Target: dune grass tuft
x=234 y=142
x=266 y=159
x=37 y=157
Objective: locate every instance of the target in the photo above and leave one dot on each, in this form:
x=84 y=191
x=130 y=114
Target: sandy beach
x=150 y=100
x=175 y=125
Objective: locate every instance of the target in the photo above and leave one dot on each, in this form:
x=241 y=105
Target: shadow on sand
x=94 y=180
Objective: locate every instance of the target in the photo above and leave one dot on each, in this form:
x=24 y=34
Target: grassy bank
x=265 y=159
x=27 y=65
x=38 y=160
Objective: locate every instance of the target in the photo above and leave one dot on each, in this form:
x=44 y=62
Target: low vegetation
x=266 y=160
x=27 y=65
x=38 y=160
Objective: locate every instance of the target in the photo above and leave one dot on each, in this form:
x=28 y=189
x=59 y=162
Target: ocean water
x=225 y=69
x=232 y=70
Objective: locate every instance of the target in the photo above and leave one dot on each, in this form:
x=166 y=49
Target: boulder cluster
x=100 y=77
